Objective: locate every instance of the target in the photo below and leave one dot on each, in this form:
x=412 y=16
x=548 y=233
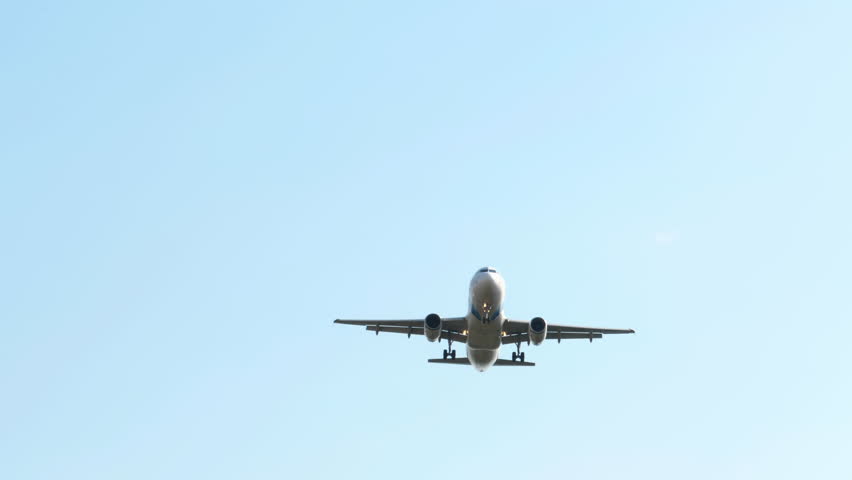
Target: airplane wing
x=518 y=331
x=559 y=336
x=453 y=327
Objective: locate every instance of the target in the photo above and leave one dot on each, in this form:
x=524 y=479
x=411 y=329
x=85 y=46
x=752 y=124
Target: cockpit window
x=487 y=270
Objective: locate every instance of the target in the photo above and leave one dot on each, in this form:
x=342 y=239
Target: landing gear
x=449 y=352
x=519 y=354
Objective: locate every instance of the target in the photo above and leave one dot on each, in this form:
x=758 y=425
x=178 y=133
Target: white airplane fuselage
x=485 y=318
x=484 y=328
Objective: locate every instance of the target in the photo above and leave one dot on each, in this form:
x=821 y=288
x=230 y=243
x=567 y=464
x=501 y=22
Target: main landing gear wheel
x=449 y=352
x=519 y=355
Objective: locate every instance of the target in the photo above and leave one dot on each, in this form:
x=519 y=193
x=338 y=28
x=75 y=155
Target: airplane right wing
x=517 y=331
x=525 y=337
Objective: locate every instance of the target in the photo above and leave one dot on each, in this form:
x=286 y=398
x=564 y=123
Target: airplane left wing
x=452 y=328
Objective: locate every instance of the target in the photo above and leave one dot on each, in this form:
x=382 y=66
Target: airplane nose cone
x=488 y=285
x=490 y=279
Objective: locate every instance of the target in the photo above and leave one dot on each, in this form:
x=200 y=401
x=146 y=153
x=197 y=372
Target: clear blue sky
x=190 y=194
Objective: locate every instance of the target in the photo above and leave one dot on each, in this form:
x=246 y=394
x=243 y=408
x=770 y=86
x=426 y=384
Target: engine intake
x=432 y=327
x=537 y=330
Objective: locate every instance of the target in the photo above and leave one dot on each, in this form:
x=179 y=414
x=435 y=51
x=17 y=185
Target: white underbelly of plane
x=482 y=358
x=483 y=342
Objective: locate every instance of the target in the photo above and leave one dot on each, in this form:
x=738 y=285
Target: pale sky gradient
x=190 y=194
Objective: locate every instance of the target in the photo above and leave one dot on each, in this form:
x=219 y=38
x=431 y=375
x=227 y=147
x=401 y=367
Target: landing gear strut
x=449 y=352
x=519 y=355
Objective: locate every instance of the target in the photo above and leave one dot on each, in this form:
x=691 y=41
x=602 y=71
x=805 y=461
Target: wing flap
x=409 y=330
x=456 y=337
x=452 y=324
x=559 y=336
x=394 y=323
x=519 y=327
x=525 y=337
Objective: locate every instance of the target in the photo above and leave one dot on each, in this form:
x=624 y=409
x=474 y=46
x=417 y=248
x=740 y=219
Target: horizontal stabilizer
x=508 y=363
x=464 y=361
x=454 y=361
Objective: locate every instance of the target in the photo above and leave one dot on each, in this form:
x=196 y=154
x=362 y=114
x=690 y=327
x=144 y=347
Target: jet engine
x=432 y=327
x=537 y=330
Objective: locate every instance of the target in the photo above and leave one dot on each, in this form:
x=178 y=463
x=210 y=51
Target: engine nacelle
x=537 y=330
x=432 y=327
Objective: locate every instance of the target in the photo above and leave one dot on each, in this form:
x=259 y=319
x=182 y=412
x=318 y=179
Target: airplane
x=485 y=328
